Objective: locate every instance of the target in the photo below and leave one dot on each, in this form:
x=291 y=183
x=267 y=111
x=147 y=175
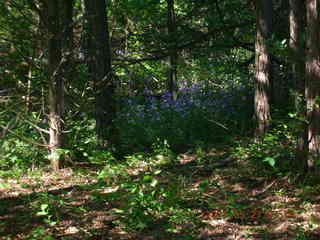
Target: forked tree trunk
x=263 y=68
x=55 y=84
x=313 y=82
x=59 y=24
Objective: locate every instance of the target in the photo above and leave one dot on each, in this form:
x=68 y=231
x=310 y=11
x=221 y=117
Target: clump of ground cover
x=199 y=114
x=187 y=196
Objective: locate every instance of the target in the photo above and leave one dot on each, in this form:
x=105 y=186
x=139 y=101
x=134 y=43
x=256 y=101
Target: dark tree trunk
x=296 y=44
x=99 y=62
x=298 y=75
x=59 y=24
x=66 y=15
x=263 y=68
x=313 y=82
x=56 y=97
x=173 y=55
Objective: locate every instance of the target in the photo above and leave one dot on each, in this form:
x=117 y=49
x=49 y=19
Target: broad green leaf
x=270 y=160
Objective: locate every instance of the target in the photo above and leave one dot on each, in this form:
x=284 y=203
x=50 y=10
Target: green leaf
x=270 y=160
x=147 y=178
x=154 y=182
x=118 y=211
x=44 y=207
x=292 y=115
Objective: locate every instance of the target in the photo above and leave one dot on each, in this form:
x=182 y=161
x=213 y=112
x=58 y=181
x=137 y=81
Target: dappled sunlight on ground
x=228 y=202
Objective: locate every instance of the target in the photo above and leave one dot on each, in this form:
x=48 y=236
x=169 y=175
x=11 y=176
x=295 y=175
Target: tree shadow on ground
x=231 y=201
x=72 y=213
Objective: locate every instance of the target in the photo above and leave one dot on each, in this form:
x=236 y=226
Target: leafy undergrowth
x=199 y=195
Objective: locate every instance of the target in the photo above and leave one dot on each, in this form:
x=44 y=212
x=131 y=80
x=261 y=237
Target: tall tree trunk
x=298 y=75
x=100 y=69
x=56 y=96
x=313 y=82
x=173 y=55
x=263 y=67
x=296 y=44
x=59 y=24
x=66 y=19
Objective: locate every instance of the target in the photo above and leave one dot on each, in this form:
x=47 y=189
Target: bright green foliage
x=276 y=149
x=47 y=206
x=40 y=233
x=144 y=198
x=19 y=150
x=17 y=153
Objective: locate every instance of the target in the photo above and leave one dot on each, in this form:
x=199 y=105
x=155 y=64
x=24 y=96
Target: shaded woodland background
x=131 y=92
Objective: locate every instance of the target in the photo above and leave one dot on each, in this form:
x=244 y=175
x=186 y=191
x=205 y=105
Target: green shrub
x=275 y=151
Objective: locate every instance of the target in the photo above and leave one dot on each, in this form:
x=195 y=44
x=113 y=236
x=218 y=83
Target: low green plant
x=148 y=201
x=39 y=233
x=12 y=174
x=21 y=146
x=82 y=140
x=47 y=206
x=200 y=113
x=15 y=153
x=46 y=211
x=144 y=193
x=302 y=234
x=275 y=151
x=162 y=152
x=201 y=154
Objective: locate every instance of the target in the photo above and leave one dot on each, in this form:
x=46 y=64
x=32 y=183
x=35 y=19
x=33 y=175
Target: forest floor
x=228 y=200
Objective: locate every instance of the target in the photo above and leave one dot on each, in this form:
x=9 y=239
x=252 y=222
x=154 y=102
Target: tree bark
x=59 y=24
x=263 y=67
x=67 y=44
x=296 y=44
x=99 y=63
x=298 y=76
x=55 y=84
x=313 y=82
x=173 y=58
